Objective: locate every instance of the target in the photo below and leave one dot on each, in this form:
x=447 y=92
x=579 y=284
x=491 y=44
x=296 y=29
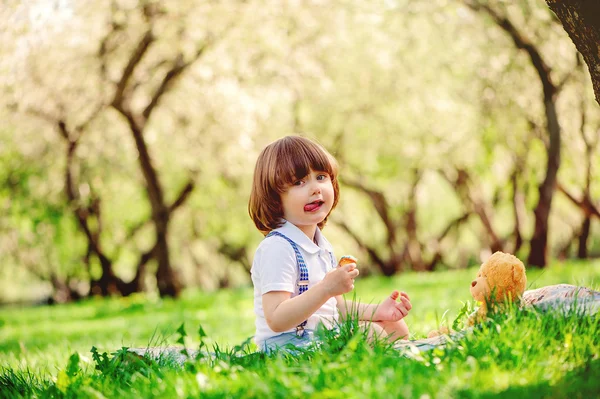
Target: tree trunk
x=582 y=251
x=413 y=249
x=166 y=279
x=394 y=260
x=581 y=20
x=108 y=283
x=517 y=200
x=539 y=240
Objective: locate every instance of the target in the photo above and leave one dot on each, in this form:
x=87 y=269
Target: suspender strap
x=333 y=264
x=302 y=271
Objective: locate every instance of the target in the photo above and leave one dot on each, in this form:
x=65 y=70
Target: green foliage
x=505 y=357
x=389 y=89
x=518 y=353
x=101 y=360
x=463 y=313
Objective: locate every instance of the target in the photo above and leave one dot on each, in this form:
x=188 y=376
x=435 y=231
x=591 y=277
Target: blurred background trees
x=131 y=129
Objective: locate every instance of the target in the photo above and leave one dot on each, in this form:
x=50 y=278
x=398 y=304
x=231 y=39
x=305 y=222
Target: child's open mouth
x=313 y=206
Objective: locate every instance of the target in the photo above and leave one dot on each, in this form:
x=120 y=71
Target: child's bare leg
x=394 y=329
x=375 y=330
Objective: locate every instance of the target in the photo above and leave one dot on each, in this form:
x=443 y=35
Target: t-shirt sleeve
x=277 y=266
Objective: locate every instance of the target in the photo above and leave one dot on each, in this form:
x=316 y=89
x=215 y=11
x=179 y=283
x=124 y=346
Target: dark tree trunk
x=413 y=248
x=586 y=204
x=108 y=282
x=167 y=280
x=581 y=20
x=582 y=251
x=539 y=240
x=516 y=202
x=394 y=260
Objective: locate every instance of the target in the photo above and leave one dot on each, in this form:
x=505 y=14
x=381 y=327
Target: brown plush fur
x=503 y=276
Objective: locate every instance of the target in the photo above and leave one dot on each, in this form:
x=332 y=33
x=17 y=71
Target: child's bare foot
x=393 y=308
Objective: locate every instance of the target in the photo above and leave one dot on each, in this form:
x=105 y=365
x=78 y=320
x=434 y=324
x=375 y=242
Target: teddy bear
x=500 y=279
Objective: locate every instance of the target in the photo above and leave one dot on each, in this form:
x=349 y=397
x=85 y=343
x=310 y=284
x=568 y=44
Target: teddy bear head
x=502 y=275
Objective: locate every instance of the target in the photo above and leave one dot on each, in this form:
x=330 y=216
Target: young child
x=297 y=283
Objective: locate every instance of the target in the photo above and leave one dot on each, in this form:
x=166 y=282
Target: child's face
x=308 y=201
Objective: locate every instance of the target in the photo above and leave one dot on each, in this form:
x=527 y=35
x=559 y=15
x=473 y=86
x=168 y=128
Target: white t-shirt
x=275 y=269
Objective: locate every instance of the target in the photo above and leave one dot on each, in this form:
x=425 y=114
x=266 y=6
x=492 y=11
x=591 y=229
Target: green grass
x=46 y=351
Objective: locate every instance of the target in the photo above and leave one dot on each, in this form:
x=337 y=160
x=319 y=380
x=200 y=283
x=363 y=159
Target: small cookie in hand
x=346 y=259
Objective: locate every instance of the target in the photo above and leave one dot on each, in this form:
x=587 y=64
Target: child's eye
x=298 y=183
x=323 y=176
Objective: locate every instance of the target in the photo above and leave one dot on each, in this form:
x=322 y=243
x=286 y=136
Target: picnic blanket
x=180 y=354
x=427 y=344
x=563 y=298
x=175 y=354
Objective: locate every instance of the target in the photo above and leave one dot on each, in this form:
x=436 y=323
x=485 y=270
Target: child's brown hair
x=279 y=165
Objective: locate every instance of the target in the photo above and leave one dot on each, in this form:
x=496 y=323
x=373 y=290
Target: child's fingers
x=348 y=267
x=405 y=295
x=406 y=303
x=403 y=311
x=354 y=273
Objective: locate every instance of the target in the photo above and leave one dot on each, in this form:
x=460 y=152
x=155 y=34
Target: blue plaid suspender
x=303 y=271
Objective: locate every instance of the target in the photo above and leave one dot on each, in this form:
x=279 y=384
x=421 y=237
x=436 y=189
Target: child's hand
x=340 y=280
x=390 y=310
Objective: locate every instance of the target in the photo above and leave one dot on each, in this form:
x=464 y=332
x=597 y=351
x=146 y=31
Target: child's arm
x=389 y=310
x=282 y=312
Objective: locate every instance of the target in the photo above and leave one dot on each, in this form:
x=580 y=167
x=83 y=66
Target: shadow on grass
x=583 y=382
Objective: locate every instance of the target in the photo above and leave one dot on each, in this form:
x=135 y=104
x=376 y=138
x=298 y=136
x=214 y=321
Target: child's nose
x=473 y=283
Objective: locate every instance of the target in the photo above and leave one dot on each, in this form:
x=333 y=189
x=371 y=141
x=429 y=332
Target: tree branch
x=453 y=224
x=381 y=206
x=364 y=246
x=462 y=187
x=183 y=196
x=520 y=42
x=176 y=70
x=133 y=62
x=585 y=204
